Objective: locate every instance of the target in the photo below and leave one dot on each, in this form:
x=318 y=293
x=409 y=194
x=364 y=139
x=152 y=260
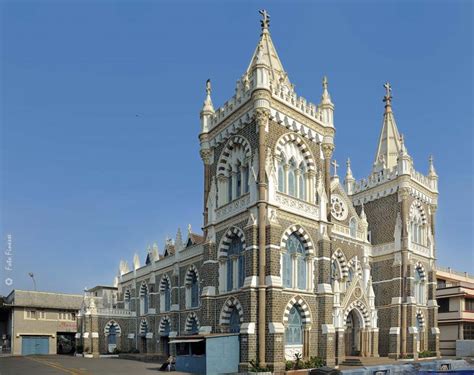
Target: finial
x=325 y=98
x=265 y=21
x=348 y=163
x=208 y=87
x=388 y=94
x=325 y=83
x=431 y=168
x=190 y=229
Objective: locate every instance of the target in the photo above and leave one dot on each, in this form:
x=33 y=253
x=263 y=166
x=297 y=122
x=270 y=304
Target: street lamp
x=30 y=274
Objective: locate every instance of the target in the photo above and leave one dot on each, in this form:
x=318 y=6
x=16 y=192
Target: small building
x=41 y=322
x=455 y=297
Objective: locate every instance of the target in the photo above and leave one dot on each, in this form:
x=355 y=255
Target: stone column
x=340 y=345
x=328 y=148
x=404 y=194
x=375 y=342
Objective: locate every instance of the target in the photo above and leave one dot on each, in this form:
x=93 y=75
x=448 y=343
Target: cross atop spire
x=388 y=94
x=208 y=87
x=265 y=21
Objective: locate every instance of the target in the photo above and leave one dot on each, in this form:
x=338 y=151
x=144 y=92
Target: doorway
x=352 y=336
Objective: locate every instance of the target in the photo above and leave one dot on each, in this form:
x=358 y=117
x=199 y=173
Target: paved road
x=60 y=365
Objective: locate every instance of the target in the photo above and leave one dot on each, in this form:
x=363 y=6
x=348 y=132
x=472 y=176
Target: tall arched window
x=112 y=338
x=234 y=321
x=235 y=264
x=302 y=182
x=245 y=174
x=292 y=178
x=238 y=176
x=194 y=291
x=281 y=176
x=230 y=185
x=294 y=328
x=353 y=227
x=350 y=275
x=127 y=299
x=419 y=286
x=294 y=264
x=165 y=294
x=144 y=299
x=334 y=272
x=192 y=288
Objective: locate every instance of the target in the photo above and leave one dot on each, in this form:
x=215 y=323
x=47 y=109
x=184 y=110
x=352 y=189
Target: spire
x=431 y=168
x=349 y=180
x=208 y=107
x=325 y=98
x=265 y=54
x=179 y=240
x=389 y=141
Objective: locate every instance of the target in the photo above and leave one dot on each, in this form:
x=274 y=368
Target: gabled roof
x=194 y=239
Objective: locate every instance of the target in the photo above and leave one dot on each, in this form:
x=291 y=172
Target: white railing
x=297 y=206
x=234 y=207
x=341 y=229
x=116 y=312
x=375 y=179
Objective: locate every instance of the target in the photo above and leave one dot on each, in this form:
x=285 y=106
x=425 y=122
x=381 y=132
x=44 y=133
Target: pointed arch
x=192 y=320
x=420 y=318
x=165 y=325
x=296 y=140
x=227 y=238
x=235 y=143
x=301 y=233
x=340 y=258
x=112 y=323
x=143 y=289
x=421 y=269
x=143 y=326
x=226 y=311
x=165 y=282
x=192 y=270
x=416 y=209
x=361 y=309
x=302 y=307
x=354 y=264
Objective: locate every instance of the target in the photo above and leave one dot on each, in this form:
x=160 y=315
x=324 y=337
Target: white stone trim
x=248 y=328
x=276 y=327
x=435 y=331
x=324 y=289
x=327 y=329
x=273 y=281
x=394 y=330
x=396 y=300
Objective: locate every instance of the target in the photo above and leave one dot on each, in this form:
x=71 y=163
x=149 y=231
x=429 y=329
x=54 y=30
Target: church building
x=292 y=259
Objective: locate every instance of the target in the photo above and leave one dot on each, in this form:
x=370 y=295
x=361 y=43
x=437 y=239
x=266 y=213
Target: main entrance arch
x=353 y=333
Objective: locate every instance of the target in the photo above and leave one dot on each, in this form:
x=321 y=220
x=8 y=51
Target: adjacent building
x=292 y=259
x=455 y=296
x=40 y=322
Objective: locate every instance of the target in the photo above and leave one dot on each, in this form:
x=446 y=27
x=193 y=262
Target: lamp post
x=30 y=274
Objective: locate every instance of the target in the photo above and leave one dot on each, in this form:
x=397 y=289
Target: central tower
x=267 y=184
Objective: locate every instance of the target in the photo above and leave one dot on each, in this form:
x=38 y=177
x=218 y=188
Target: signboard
x=67 y=326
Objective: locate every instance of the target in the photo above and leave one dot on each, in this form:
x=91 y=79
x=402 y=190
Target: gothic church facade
x=291 y=258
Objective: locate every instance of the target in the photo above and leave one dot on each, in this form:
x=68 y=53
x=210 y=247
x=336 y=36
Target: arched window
x=235 y=264
x=144 y=299
x=420 y=286
x=294 y=328
x=245 y=173
x=126 y=300
x=112 y=338
x=350 y=275
x=192 y=288
x=234 y=322
x=294 y=264
x=239 y=180
x=353 y=227
x=194 y=327
x=334 y=272
x=230 y=184
x=165 y=294
x=292 y=178
x=281 y=176
x=194 y=291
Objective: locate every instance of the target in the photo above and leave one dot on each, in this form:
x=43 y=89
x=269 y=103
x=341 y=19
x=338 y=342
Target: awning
x=184 y=340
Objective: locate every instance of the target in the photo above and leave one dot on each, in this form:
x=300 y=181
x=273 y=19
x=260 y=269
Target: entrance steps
x=366 y=361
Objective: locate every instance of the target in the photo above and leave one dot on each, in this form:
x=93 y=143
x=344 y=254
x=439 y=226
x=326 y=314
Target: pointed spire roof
x=389 y=141
x=325 y=98
x=208 y=106
x=431 y=169
x=266 y=54
x=349 y=176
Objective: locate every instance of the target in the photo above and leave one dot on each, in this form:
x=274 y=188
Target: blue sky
x=100 y=110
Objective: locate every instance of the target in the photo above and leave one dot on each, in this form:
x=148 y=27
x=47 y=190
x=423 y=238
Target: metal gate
x=34 y=345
